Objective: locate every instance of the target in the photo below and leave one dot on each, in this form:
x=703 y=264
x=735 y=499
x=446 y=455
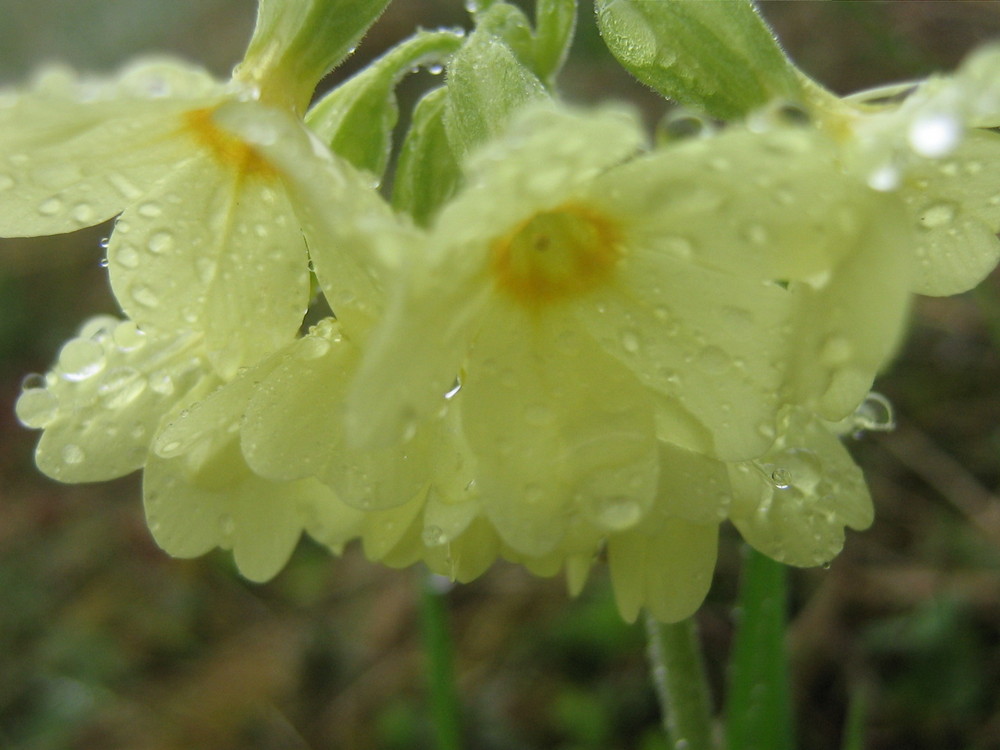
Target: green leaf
x=716 y=55
x=759 y=711
x=427 y=172
x=357 y=118
x=296 y=42
x=487 y=84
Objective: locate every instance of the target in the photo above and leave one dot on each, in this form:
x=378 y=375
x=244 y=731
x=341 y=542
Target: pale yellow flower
x=207 y=239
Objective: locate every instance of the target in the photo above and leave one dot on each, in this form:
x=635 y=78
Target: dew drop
x=144 y=295
x=80 y=359
x=875 y=414
x=50 y=207
x=435 y=69
x=162 y=383
x=37 y=407
x=781 y=478
x=103 y=262
x=128 y=336
x=161 y=242
x=618 y=513
x=937 y=215
x=312 y=347
x=434 y=536
x=150 y=210
x=630 y=341
x=73 y=454
x=126 y=256
x=82 y=213
x=935 y=135
x=453 y=391
x=884 y=178
x=33 y=381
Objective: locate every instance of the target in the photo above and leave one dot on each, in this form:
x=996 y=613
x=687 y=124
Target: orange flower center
x=227 y=149
x=555 y=255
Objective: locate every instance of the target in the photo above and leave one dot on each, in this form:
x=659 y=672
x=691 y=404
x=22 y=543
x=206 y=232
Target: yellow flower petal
x=101 y=403
x=215 y=247
x=794 y=502
x=668 y=573
x=259 y=520
x=76 y=151
x=559 y=430
x=955 y=205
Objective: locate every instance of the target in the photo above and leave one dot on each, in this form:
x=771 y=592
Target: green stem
x=445 y=711
x=681 y=687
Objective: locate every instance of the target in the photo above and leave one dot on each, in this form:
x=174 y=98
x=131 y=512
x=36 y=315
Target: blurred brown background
x=105 y=643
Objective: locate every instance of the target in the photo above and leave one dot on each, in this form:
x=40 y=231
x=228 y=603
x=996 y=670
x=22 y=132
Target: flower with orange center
x=207 y=239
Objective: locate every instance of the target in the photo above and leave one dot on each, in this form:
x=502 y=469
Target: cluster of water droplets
x=108 y=386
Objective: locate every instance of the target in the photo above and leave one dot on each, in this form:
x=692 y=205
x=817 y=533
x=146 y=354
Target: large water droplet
x=935 y=135
x=83 y=213
x=128 y=336
x=875 y=414
x=80 y=359
x=37 y=408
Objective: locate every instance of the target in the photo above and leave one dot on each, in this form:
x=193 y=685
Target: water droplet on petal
x=781 y=478
x=875 y=414
x=884 y=178
x=144 y=295
x=50 y=207
x=128 y=336
x=755 y=234
x=312 y=347
x=631 y=342
x=103 y=262
x=73 y=454
x=935 y=135
x=937 y=215
x=37 y=407
x=126 y=256
x=161 y=242
x=80 y=359
x=6 y=182
x=434 y=536
x=150 y=209
x=82 y=213
x=619 y=512
x=453 y=391
x=227 y=525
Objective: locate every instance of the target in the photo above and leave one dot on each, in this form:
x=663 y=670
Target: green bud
x=357 y=118
x=716 y=55
x=296 y=42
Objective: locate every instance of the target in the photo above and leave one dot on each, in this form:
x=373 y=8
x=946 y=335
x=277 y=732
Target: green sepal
x=542 y=50
x=487 y=84
x=357 y=118
x=427 y=171
x=716 y=55
x=555 y=22
x=296 y=42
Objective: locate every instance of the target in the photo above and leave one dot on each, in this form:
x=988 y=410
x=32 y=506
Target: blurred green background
x=107 y=643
